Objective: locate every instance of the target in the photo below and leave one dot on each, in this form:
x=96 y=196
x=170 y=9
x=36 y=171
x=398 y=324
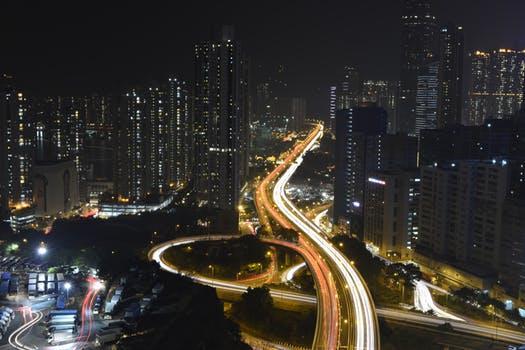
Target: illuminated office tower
x=496 y=89
x=417 y=50
x=450 y=91
x=349 y=89
x=180 y=133
x=221 y=121
x=17 y=146
x=383 y=93
x=332 y=108
x=427 y=98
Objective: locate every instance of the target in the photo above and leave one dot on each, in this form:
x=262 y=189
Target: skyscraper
x=135 y=162
x=384 y=94
x=349 y=89
x=353 y=127
x=4 y=175
x=496 y=84
x=427 y=97
x=450 y=92
x=156 y=140
x=391 y=202
x=180 y=132
x=17 y=146
x=332 y=108
x=298 y=113
x=417 y=50
x=221 y=121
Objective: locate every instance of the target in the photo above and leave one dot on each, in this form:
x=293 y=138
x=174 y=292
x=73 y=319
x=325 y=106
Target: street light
x=42 y=250
x=212 y=270
x=67 y=287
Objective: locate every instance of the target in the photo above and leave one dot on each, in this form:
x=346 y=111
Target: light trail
x=486 y=331
x=329 y=314
x=365 y=323
x=289 y=273
x=365 y=332
x=15 y=337
x=404 y=316
x=319 y=217
x=423 y=301
x=157 y=254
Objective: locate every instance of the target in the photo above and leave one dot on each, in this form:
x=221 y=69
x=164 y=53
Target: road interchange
x=347 y=318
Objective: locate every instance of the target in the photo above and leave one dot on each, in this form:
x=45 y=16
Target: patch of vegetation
x=185 y=316
x=246 y=255
x=255 y=310
x=388 y=286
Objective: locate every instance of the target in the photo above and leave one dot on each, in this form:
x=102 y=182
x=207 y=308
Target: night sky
x=65 y=48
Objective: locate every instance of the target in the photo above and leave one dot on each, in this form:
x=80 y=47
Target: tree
x=255 y=306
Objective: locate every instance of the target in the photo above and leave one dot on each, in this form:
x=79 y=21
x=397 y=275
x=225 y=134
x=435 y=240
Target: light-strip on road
x=157 y=252
x=365 y=326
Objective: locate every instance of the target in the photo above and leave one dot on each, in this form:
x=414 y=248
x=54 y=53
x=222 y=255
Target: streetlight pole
x=67 y=287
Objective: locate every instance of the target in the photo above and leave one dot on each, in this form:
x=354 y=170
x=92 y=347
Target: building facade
x=332 y=108
x=450 y=91
x=460 y=215
x=220 y=121
x=18 y=146
x=418 y=30
x=353 y=128
x=180 y=133
x=391 y=220
x=496 y=89
x=427 y=98
x=349 y=90
x=384 y=94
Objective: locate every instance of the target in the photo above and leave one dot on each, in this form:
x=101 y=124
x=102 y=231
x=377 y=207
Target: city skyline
x=235 y=176
x=126 y=46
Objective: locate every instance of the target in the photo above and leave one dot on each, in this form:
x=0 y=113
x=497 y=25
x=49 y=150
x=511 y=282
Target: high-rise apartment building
x=512 y=270
x=180 y=132
x=418 y=30
x=153 y=135
x=156 y=140
x=460 y=216
x=353 y=127
x=496 y=89
x=450 y=91
x=17 y=146
x=391 y=203
x=362 y=147
x=221 y=121
x=495 y=138
x=134 y=162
